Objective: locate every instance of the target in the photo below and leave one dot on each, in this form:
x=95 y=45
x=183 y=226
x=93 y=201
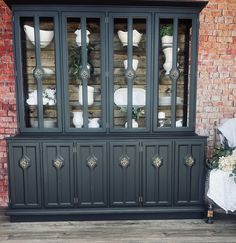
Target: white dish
x=139 y=97
x=45 y=36
x=166 y=100
x=46 y=123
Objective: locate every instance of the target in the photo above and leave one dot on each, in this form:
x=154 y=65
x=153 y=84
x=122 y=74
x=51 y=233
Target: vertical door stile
x=39 y=68
x=193 y=72
x=110 y=67
x=174 y=67
x=156 y=67
x=130 y=80
x=59 y=95
x=84 y=71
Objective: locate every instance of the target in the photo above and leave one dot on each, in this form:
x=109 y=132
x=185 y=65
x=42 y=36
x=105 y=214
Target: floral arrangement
x=224 y=158
x=49 y=96
x=136 y=112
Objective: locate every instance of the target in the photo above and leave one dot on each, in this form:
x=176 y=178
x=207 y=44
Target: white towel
x=222 y=189
x=228 y=129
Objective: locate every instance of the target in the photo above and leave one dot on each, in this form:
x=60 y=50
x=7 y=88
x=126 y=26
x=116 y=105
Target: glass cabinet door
x=129 y=67
x=37 y=72
x=174 y=76
x=84 y=66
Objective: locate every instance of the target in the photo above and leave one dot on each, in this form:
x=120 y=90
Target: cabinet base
x=105 y=214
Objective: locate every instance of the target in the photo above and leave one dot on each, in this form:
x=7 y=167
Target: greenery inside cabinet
x=104 y=94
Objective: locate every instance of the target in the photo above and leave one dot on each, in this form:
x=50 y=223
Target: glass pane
x=28 y=65
x=92 y=73
x=129 y=72
x=184 y=61
x=47 y=53
x=38 y=68
x=165 y=65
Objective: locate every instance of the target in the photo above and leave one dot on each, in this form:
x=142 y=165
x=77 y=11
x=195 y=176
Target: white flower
x=49 y=96
x=228 y=163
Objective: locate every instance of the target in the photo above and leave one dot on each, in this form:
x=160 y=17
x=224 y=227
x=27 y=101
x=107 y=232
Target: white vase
x=78 y=37
x=77 y=119
x=45 y=36
x=90 y=91
x=167 y=41
x=134 y=64
x=123 y=36
x=168 y=52
x=93 y=123
x=134 y=124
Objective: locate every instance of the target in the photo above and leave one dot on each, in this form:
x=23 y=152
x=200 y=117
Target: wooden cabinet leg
x=210 y=214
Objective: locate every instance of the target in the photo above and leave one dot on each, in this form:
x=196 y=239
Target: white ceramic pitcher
x=77 y=118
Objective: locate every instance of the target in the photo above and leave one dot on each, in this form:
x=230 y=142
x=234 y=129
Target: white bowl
x=166 y=100
x=46 y=36
x=123 y=36
x=139 y=97
x=134 y=62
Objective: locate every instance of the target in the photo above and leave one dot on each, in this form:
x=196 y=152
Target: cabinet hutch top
x=166 y=3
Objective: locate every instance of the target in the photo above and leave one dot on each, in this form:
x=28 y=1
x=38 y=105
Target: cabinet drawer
x=91 y=171
x=124 y=173
x=156 y=171
x=24 y=175
x=58 y=174
x=189 y=172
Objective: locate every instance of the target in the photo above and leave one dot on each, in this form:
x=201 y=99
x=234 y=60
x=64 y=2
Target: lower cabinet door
x=124 y=174
x=58 y=174
x=91 y=171
x=24 y=175
x=189 y=172
x=156 y=170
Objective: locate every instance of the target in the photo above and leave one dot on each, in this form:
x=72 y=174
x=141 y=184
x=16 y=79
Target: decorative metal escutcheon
x=92 y=161
x=124 y=161
x=24 y=162
x=157 y=161
x=189 y=160
x=38 y=73
x=58 y=163
x=84 y=74
x=130 y=74
x=174 y=73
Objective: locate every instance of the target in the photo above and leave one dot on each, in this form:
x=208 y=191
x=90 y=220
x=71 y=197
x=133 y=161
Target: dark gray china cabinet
x=106 y=98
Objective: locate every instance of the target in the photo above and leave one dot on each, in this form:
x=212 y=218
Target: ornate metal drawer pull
x=189 y=160
x=38 y=73
x=58 y=163
x=174 y=73
x=157 y=161
x=124 y=161
x=92 y=161
x=24 y=162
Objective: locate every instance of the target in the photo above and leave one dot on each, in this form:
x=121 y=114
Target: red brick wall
x=7 y=95
x=216 y=93
x=216 y=98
